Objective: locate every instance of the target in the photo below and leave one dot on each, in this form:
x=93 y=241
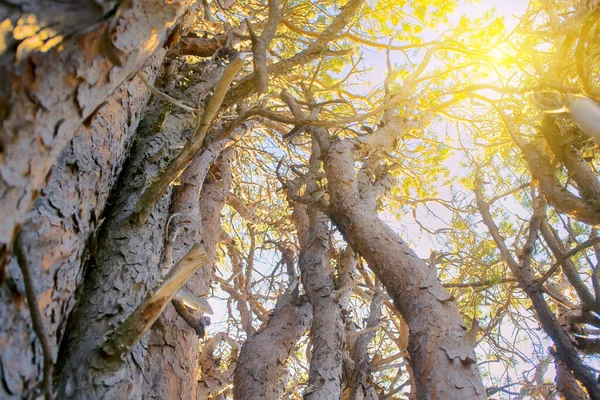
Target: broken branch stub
x=120 y=341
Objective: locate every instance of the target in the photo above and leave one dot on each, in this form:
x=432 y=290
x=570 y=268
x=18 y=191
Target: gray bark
x=327 y=329
x=172 y=362
x=362 y=387
x=59 y=229
x=46 y=97
x=261 y=370
x=126 y=264
x=442 y=357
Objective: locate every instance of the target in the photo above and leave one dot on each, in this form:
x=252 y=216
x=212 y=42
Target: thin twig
x=166 y=97
x=570 y=253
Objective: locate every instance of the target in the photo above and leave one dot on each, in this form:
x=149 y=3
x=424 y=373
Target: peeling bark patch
x=57 y=233
x=463 y=352
x=66 y=83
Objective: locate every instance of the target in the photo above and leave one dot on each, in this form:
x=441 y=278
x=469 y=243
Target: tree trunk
x=172 y=362
x=327 y=329
x=126 y=264
x=56 y=237
x=261 y=367
x=442 y=355
x=47 y=96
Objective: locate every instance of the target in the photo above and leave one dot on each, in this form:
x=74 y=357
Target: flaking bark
x=362 y=387
x=172 y=362
x=58 y=235
x=327 y=329
x=442 y=356
x=126 y=266
x=261 y=367
x=54 y=92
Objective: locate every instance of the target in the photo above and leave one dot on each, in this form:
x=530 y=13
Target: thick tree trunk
x=49 y=95
x=567 y=386
x=441 y=354
x=56 y=237
x=261 y=369
x=126 y=264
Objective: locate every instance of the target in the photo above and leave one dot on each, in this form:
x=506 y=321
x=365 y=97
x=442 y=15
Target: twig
x=570 y=253
x=166 y=97
x=488 y=282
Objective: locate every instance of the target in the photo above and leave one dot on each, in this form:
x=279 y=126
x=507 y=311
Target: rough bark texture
x=119 y=342
x=441 y=355
x=172 y=362
x=261 y=368
x=362 y=387
x=60 y=228
x=327 y=329
x=49 y=23
x=566 y=385
x=126 y=264
x=51 y=94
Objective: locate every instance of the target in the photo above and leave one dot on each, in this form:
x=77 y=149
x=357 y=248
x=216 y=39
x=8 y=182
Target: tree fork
x=442 y=354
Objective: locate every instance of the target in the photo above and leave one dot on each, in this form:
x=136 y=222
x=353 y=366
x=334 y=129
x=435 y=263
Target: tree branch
x=120 y=341
x=195 y=144
x=580 y=53
x=260 y=44
x=246 y=86
x=563 y=258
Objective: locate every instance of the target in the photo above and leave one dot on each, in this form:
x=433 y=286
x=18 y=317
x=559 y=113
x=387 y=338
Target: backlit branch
x=260 y=44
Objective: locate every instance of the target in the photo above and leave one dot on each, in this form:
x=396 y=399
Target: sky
x=375 y=59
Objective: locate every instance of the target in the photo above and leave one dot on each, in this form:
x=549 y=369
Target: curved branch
x=260 y=44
